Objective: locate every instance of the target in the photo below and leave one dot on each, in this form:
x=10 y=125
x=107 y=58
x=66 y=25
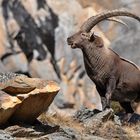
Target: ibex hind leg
x=136 y=106
x=127 y=107
x=136 y=115
x=132 y=111
x=125 y=116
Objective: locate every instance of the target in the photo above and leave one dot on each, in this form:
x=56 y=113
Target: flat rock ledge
x=23 y=99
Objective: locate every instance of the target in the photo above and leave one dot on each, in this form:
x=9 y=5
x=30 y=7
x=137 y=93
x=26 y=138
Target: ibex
x=115 y=78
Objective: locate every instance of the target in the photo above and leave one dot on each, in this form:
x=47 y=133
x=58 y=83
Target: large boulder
x=35 y=102
x=24 y=99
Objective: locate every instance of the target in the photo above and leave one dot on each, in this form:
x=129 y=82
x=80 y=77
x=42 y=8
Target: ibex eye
x=83 y=34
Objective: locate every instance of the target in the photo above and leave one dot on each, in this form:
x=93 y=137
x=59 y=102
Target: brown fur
x=115 y=78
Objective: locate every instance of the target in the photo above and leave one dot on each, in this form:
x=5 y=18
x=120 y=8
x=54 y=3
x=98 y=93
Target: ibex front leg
x=110 y=88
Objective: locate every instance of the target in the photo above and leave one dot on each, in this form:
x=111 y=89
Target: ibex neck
x=94 y=61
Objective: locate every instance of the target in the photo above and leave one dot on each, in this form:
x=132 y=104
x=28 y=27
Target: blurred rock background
x=33 y=37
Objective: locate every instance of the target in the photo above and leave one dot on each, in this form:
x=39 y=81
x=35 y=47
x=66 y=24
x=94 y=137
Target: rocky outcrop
x=23 y=99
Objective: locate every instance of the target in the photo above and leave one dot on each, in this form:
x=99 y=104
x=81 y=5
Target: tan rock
x=8 y=105
x=35 y=103
x=32 y=96
x=16 y=83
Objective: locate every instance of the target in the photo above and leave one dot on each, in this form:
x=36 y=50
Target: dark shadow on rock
x=30 y=130
x=9 y=54
x=25 y=73
x=41 y=3
x=47 y=129
x=5 y=12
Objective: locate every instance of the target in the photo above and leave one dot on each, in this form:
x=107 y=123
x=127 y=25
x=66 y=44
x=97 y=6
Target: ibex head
x=82 y=39
x=85 y=38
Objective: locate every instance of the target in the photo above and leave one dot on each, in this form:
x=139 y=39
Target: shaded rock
x=5 y=136
x=30 y=131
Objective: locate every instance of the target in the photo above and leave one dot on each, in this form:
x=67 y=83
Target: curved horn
x=91 y=22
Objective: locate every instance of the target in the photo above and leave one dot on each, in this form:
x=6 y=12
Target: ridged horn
x=92 y=21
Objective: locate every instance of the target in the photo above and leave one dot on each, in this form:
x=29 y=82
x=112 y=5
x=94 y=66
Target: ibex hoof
x=134 y=118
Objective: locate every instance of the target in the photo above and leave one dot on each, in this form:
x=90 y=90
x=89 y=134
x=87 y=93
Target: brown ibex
x=115 y=77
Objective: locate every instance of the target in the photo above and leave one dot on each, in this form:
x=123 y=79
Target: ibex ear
x=88 y=36
x=92 y=37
